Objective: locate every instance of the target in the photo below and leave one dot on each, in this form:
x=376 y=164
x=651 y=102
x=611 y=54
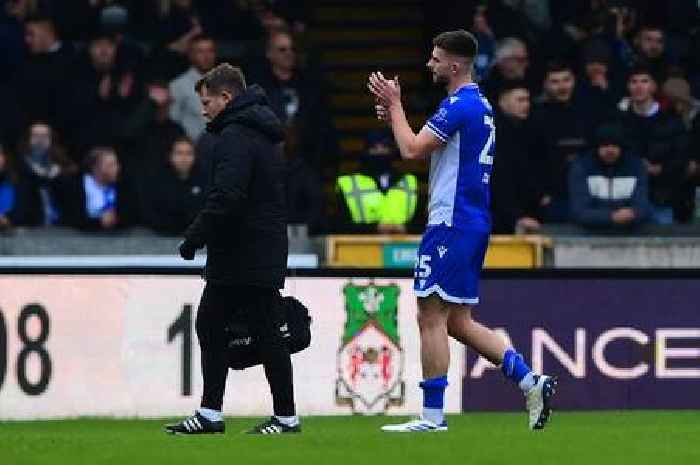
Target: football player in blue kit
x=460 y=140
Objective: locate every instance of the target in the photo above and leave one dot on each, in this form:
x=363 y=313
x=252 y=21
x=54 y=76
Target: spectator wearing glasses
x=297 y=97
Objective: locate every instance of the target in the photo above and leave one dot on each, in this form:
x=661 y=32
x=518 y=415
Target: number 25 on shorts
x=422 y=266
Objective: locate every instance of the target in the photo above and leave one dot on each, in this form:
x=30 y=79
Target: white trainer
x=538 y=399
x=418 y=425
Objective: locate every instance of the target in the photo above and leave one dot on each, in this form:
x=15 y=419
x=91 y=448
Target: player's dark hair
x=459 y=42
x=558 y=67
x=223 y=77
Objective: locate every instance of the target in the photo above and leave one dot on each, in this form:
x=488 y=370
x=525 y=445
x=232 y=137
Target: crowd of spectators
x=596 y=111
x=101 y=128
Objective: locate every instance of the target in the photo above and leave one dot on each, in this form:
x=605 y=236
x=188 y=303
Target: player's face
x=213 y=103
x=641 y=87
x=560 y=85
x=439 y=66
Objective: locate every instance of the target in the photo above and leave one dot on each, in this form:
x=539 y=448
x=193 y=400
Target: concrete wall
x=569 y=251
x=68 y=242
x=628 y=252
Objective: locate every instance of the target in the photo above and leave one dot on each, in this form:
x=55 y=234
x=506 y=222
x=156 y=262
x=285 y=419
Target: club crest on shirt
x=441 y=115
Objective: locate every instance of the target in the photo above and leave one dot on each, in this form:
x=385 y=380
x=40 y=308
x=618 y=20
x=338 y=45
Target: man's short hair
x=103 y=34
x=506 y=48
x=41 y=19
x=95 y=155
x=651 y=27
x=182 y=140
x=202 y=38
x=640 y=69
x=223 y=77
x=558 y=67
x=459 y=42
x=511 y=85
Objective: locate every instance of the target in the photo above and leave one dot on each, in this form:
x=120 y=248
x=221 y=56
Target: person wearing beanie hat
x=113 y=20
x=609 y=186
x=598 y=85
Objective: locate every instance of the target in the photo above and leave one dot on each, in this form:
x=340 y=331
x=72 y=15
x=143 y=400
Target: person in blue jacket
x=609 y=188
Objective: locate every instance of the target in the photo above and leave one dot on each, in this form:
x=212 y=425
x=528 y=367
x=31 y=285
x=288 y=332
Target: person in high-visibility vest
x=377 y=199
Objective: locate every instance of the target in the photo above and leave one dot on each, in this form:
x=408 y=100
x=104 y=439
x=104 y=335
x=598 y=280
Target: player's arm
x=412 y=146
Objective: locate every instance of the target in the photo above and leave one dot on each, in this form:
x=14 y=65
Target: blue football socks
x=434 y=399
x=515 y=368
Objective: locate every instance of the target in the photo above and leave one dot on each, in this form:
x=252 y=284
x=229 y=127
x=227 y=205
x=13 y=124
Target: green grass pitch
x=590 y=438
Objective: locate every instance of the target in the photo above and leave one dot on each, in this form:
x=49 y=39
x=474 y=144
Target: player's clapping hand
x=387 y=92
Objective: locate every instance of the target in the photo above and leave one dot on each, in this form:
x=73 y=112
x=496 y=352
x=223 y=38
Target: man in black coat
x=243 y=226
x=173 y=191
x=563 y=122
x=517 y=195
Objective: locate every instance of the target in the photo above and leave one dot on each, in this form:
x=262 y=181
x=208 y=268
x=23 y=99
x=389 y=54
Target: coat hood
x=250 y=109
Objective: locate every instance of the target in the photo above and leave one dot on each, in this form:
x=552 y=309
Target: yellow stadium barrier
x=399 y=251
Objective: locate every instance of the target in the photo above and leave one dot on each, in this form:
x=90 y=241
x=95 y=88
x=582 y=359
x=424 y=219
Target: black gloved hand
x=187 y=250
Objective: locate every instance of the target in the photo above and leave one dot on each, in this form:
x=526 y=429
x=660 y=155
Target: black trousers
x=263 y=313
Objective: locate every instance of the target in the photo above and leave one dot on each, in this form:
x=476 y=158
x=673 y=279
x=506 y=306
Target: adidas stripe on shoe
x=274 y=426
x=196 y=424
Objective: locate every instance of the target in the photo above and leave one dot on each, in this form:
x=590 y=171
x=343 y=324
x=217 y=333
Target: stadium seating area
x=595 y=101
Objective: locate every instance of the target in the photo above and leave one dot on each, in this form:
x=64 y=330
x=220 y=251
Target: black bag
x=295 y=329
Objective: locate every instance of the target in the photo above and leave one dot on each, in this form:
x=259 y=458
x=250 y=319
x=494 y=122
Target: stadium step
x=376 y=55
x=366 y=37
x=370 y=122
x=350 y=13
x=352 y=84
x=358 y=37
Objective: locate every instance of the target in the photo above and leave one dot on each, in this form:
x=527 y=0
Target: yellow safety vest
x=367 y=203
